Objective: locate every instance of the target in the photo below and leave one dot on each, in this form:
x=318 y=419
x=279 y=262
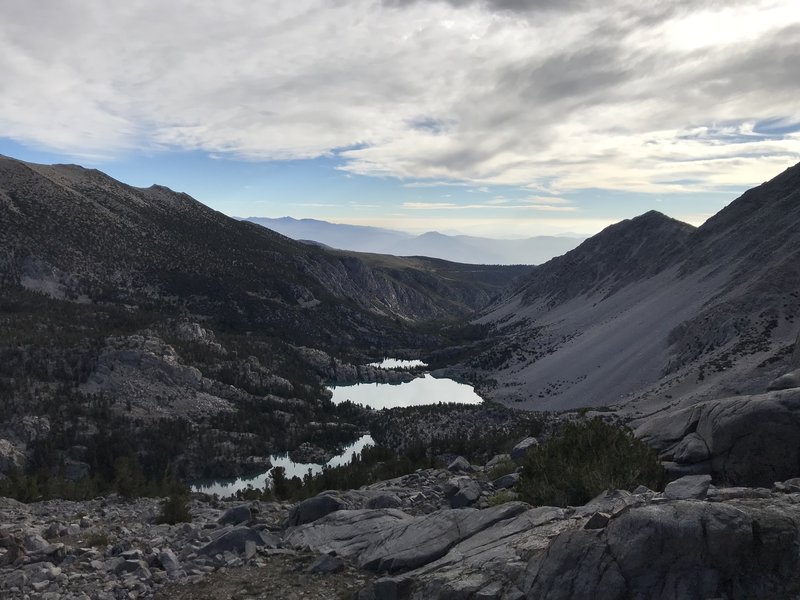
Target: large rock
x=38 y=549
x=750 y=440
x=506 y=481
x=689 y=487
x=460 y=465
x=384 y=501
x=686 y=550
x=168 y=560
x=235 y=540
x=691 y=449
x=236 y=515
x=785 y=382
x=619 y=545
x=462 y=491
x=391 y=541
x=311 y=509
x=519 y=451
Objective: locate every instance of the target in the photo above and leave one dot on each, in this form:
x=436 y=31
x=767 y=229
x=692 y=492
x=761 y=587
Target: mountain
x=652 y=312
x=358 y=238
x=138 y=325
x=620 y=254
x=78 y=234
x=457 y=248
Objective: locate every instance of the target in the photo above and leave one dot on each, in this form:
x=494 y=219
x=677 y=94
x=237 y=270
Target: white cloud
x=430 y=205
x=547 y=200
x=655 y=97
x=552 y=208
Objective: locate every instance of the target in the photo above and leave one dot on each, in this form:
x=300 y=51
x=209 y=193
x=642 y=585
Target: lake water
x=417 y=392
x=227 y=487
x=394 y=363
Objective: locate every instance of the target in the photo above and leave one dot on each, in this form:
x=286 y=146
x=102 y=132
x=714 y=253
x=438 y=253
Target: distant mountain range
x=458 y=248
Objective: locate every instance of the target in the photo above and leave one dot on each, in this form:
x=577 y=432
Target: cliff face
x=651 y=311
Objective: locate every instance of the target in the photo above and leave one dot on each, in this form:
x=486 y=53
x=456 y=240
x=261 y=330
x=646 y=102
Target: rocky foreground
x=437 y=533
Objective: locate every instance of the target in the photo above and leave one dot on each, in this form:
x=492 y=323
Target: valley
x=406 y=413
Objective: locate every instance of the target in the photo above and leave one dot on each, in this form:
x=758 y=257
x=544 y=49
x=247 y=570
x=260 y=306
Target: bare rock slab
x=689 y=487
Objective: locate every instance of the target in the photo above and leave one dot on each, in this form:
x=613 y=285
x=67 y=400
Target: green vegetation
x=504 y=468
x=42 y=485
x=175 y=508
x=501 y=497
x=96 y=539
x=585 y=459
x=374 y=463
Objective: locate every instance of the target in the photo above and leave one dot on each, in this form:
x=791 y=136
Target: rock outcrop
x=792 y=378
x=620 y=545
x=742 y=440
x=796 y=354
x=735 y=543
x=785 y=382
x=145 y=373
x=704 y=550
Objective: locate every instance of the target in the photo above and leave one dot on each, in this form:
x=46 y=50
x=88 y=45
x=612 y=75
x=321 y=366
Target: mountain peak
x=620 y=254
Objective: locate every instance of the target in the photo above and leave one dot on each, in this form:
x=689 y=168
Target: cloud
x=435 y=184
x=558 y=96
x=430 y=206
x=552 y=208
x=547 y=200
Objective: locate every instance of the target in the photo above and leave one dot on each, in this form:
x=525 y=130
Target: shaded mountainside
x=78 y=234
x=653 y=312
x=620 y=254
x=140 y=325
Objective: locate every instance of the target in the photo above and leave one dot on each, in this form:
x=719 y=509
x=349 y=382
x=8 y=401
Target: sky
x=505 y=118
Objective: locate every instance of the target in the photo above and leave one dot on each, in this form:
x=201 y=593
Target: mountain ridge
x=84 y=231
x=651 y=312
x=434 y=244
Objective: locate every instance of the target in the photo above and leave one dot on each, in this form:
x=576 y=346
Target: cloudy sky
x=500 y=117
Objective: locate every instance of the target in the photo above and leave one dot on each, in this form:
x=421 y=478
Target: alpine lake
x=419 y=391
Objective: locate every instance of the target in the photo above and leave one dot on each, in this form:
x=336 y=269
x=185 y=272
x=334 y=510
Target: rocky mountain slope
x=459 y=248
x=78 y=234
x=140 y=323
x=433 y=534
x=652 y=312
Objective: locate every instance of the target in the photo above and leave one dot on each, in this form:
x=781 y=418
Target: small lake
x=394 y=363
x=417 y=392
x=227 y=487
